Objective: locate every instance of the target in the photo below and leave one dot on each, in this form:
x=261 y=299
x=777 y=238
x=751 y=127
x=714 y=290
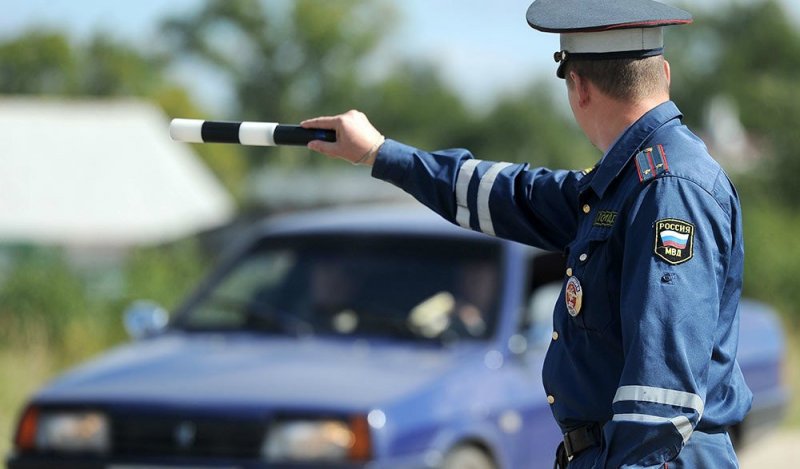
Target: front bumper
x=32 y=461
x=65 y=462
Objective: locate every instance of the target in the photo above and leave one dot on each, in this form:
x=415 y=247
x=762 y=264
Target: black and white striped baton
x=245 y=133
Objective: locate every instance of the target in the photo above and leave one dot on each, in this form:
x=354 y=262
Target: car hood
x=245 y=370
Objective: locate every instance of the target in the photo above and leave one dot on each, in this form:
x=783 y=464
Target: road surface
x=778 y=450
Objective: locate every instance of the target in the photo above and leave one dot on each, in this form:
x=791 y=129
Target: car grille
x=207 y=437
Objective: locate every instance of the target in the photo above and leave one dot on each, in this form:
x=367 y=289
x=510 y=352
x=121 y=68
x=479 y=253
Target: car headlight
x=318 y=440
x=64 y=431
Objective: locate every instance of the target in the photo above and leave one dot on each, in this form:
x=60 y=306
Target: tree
x=38 y=62
x=413 y=104
x=285 y=61
x=531 y=127
x=48 y=63
x=749 y=52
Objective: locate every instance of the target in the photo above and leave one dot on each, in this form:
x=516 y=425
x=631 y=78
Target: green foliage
x=285 y=61
x=750 y=53
x=38 y=62
x=414 y=104
x=164 y=274
x=40 y=297
x=109 y=68
x=47 y=299
x=532 y=128
x=771 y=255
x=47 y=63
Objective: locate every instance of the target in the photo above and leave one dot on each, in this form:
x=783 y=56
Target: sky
x=482 y=48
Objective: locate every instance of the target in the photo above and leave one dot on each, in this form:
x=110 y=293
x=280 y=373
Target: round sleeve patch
x=674 y=240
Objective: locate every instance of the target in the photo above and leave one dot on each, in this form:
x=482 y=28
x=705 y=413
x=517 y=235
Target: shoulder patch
x=651 y=163
x=674 y=241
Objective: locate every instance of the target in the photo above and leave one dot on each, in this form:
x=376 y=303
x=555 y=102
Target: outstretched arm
x=533 y=206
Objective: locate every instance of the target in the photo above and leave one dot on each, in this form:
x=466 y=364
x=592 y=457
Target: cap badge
x=573 y=296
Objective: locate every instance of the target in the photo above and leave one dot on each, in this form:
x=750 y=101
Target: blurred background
x=98 y=208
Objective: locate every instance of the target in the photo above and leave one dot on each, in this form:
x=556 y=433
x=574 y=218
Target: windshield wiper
x=263 y=317
x=393 y=327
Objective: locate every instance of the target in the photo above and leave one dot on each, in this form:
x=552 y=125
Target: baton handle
x=245 y=133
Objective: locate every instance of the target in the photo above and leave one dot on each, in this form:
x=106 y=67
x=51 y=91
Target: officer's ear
x=667 y=73
x=581 y=88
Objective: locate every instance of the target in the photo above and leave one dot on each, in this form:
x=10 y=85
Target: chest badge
x=573 y=296
x=605 y=219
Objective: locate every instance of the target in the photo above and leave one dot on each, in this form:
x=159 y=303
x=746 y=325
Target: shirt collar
x=628 y=144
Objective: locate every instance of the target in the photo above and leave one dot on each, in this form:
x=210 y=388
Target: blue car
x=377 y=338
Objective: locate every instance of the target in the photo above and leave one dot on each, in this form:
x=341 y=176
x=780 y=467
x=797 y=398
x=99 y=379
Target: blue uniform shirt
x=647 y=321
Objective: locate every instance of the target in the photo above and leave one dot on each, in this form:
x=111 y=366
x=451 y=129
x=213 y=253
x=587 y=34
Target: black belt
x=582 y=438
x=577 y=440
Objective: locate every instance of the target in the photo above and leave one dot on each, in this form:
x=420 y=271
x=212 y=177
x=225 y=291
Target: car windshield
x=377 y=286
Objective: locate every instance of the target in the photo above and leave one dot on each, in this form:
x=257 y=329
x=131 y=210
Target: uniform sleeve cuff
x=393 y=161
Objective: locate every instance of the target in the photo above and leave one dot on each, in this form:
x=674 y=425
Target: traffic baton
x=245 y=133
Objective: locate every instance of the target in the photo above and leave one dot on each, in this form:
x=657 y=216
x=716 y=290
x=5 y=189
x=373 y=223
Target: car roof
x=402 y=219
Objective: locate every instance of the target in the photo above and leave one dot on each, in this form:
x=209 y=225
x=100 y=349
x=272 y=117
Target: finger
x=326 y=148
x=324 y=122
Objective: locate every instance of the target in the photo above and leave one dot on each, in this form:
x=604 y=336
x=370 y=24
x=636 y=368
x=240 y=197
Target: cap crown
x=566 y=16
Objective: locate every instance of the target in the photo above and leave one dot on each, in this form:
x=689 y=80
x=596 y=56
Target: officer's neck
x=610 y=117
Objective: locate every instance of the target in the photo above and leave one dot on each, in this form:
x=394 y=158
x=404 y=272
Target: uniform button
x=569 y=271
x=586 y=208
x=551 y=400
x=555 y=335
x=583 y=257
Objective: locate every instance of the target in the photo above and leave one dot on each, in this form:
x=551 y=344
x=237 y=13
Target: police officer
x=641 y=370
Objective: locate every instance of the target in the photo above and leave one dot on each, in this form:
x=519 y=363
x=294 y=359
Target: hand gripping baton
x=245 y=133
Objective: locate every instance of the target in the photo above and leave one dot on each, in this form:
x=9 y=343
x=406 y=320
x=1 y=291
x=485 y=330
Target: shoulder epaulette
x=651 y=163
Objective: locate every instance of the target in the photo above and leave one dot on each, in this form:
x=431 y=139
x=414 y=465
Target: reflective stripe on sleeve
x=681 y=423
x=484 y=191
x=462 y=187
x=660 y=396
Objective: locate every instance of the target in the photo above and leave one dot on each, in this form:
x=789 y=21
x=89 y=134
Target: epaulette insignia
x=651 y=162
x=588 y=170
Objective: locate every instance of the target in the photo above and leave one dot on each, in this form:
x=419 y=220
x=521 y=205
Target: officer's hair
x=622 y=79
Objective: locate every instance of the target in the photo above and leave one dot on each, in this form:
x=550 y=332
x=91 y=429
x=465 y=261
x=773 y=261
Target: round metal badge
x=573 y=296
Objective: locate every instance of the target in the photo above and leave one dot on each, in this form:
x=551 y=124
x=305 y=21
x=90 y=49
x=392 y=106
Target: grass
x=21 y=372
x=792 y=377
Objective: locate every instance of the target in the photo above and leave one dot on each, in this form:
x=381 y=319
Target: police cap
x=605 y=29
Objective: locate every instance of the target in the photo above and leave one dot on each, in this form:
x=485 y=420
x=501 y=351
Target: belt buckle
x=568 y=446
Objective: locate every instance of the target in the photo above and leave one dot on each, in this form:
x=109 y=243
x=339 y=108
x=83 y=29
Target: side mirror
x=144 y=319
